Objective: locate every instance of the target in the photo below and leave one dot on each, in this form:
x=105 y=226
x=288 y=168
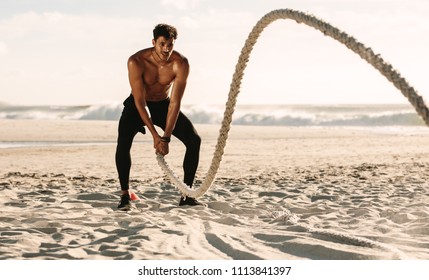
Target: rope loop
x=328 y=30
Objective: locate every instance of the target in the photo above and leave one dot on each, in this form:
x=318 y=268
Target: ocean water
x=367 y=115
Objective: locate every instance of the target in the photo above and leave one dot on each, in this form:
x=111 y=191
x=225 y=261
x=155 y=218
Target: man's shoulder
x=137 y=60
x=179 y=58
x=141 y=54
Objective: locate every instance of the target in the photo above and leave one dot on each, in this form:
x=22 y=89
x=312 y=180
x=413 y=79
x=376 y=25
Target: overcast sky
x=74 y=52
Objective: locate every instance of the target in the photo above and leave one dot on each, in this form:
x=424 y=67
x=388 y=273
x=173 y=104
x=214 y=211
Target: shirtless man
x=158 y=77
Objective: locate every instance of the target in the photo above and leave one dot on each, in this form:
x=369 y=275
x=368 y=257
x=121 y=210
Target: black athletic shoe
x=189 y=201
x=125 y=203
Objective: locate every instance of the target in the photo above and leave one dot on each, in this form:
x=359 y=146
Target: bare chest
x=158 y=76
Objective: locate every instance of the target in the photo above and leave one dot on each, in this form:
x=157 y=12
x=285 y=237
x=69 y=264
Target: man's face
x=163 y=47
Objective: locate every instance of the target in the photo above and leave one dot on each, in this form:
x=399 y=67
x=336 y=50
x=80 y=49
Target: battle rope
x=287 y=216
x=366 y=53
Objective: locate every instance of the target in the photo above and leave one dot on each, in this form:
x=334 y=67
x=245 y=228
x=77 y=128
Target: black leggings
x=131 y=123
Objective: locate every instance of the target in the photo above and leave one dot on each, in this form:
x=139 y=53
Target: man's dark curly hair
x=165 y=30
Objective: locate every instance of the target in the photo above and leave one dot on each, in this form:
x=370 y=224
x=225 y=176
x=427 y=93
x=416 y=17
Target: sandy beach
x=280 y=193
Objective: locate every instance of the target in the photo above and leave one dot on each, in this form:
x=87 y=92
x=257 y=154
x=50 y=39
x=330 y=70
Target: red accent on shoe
x=133 y=196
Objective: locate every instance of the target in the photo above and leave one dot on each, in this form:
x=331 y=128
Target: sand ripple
x=296 y=213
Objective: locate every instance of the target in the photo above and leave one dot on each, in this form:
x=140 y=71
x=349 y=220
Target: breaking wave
x=259 y=115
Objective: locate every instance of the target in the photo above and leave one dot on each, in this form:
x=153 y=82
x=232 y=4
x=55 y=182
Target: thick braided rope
x=365 y=53
x=343 y=237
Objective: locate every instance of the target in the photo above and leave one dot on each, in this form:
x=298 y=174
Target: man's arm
x=135 y=74
x=182 y=72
